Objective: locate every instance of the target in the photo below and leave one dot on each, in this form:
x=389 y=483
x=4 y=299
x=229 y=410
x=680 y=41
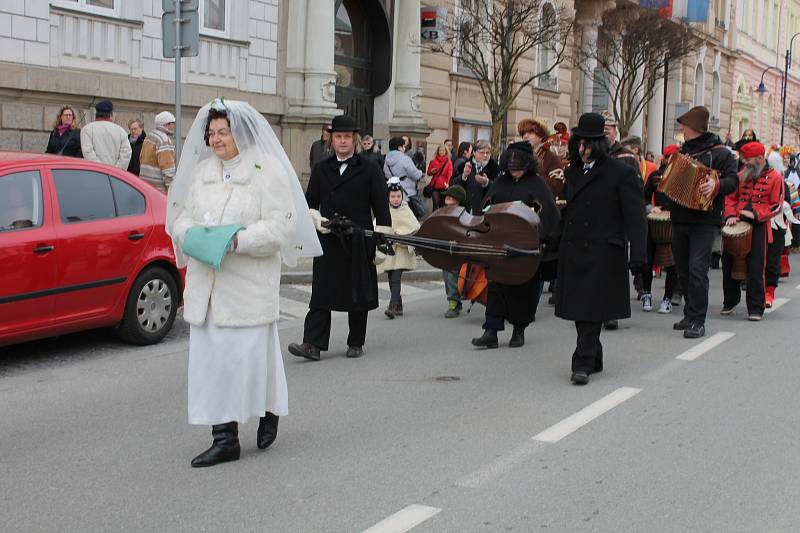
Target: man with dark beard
x=758 y=199
x=693 y=231
x=604 y=211
x=517 y=304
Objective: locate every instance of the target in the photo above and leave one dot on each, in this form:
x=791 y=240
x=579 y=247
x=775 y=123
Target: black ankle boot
x=267 y=430
x=517 y=338
x=487 y=340
x=224 y=448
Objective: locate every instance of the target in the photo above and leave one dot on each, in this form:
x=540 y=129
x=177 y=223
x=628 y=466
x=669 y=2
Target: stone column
x=588 y=41
x=637 y=128
x=407 y=117
x=320 y=76
x=655 y=118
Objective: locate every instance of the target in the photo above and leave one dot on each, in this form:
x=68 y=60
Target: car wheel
x=150 y=308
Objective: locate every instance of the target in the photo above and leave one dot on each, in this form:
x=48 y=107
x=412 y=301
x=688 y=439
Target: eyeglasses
x=221 y=133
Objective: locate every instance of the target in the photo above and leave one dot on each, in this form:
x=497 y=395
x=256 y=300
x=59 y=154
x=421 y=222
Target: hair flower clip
x=219 y=104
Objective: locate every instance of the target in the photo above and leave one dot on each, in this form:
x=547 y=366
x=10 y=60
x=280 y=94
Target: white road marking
x=576 y=421
x=405 y=289
x=798 y=287
x=288 y=306
x=500 y=466
x=709 y=344
x=304 y=288
x=404 y=519
x=777 y=304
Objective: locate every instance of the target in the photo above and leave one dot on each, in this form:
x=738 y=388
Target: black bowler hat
x=590 y=126
x=104 y=106
x=343 y=123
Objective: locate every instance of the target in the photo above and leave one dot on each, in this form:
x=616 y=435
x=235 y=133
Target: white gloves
x=380 y=257
x=318 y=219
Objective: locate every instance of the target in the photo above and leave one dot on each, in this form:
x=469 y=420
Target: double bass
x=504 y=241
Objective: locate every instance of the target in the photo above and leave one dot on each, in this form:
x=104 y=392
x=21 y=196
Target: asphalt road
x=422 y=430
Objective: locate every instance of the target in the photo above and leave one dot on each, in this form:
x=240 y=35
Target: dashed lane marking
x=709 y=344
x=777 y=304
x=576 y=421
x=404 y=519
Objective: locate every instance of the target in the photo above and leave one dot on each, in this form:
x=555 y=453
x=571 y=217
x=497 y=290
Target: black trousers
x=395 y=286
x=756 y=260
x=691 y=249
x=317 y=329
x=647 y=273
x=772 y=272
x=588 y=354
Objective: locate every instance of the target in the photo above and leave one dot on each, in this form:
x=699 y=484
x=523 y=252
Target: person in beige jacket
x=157 y=159
x=105 y=141
x=403 y=223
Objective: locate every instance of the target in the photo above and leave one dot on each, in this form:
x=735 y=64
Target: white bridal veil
x=251 y=131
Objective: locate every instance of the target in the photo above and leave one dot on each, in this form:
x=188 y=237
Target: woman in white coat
x=235 y=361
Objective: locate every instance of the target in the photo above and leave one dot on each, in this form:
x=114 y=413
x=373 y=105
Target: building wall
x=60 y=52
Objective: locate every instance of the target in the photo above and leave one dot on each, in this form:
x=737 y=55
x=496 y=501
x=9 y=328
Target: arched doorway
x=362 y=57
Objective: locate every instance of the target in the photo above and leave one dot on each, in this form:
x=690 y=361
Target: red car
x=82 y=246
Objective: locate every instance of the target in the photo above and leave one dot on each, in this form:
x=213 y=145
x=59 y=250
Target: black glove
x=636 y=267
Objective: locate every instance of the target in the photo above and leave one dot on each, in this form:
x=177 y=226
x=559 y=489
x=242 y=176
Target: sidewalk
x=302 y=273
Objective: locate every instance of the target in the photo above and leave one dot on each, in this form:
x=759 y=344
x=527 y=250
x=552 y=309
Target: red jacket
x=762 y=196
x=441 y=170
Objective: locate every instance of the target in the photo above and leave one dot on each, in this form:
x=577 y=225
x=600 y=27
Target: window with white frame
x=699 y=84
x=214 y=17
x=465 y=13
x=99 y=7
x=547 y=51
x=716 y=96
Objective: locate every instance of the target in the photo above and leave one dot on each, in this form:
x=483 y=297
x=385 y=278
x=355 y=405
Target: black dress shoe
x=354 y=351
x=580 y=378
x=267 y=430
x=307 y=350
x=611 y=324
x=694 y=331
x=487 y=340
x=517 y=338
x=224 y=448
x=682 y=325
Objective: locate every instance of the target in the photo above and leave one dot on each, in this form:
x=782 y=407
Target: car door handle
x=44 y=248
x=135 y=236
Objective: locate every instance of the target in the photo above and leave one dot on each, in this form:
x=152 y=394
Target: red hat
x=669 y=150
x=752 y=149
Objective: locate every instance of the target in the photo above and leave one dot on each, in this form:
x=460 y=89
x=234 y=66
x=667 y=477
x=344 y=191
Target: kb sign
x=432 y=21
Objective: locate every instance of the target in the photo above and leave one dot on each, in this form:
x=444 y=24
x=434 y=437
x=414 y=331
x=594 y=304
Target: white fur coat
x=403 y=223
x=245 y=291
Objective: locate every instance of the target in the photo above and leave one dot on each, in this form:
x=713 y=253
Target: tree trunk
x=497 y=129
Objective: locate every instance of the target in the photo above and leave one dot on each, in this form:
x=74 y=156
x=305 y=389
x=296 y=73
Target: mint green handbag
x=209 y=244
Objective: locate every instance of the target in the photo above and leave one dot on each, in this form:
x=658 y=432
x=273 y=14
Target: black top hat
x=343 y=123
x=590 y=126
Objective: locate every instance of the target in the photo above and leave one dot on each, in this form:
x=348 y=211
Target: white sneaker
x=647 y=302
x=665 y=307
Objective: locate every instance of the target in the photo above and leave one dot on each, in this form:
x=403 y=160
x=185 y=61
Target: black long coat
x=518 y=303
x=134 y=166
x=70 y=142
x=344 y=276
x=604 y=211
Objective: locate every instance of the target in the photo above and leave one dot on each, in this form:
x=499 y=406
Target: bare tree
x=792 y=122
x=495 y=39
x=631 y=54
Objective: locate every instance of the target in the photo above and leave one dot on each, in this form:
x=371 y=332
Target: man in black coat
x=344 y=276
x=136 y=138
x=694 y=231
x=604 y=211
x=519 y=181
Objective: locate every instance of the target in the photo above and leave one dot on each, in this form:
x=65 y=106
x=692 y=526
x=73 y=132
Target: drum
x=737 y=240
x=660 y=229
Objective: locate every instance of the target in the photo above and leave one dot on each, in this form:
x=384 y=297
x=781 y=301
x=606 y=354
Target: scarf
x=62 y=128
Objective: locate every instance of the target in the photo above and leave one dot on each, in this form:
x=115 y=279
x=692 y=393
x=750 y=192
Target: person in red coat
x=440 y=169
x=758 y=199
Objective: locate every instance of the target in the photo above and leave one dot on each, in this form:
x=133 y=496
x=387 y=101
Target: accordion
x=682 y=180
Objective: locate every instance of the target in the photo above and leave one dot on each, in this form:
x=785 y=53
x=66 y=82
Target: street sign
x=186 y=5
x=190 y=33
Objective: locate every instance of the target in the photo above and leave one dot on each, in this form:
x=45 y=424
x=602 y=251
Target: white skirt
x=235 y=373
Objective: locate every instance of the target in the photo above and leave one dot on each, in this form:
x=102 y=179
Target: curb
x=426 y=274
